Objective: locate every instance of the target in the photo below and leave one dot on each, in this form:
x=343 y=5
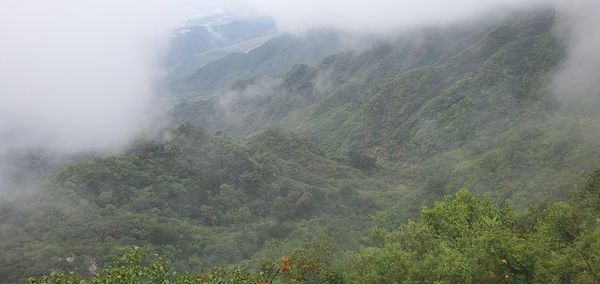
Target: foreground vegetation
x=199 y=199
x=464 y=238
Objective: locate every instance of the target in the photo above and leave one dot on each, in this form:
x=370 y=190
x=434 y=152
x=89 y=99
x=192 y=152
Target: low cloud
x=81 y=74
x=78 y=75
x=375 y=15
x=579 y=26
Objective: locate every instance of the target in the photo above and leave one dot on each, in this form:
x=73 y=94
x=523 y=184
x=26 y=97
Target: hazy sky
x=80 y=74
x=374 y=15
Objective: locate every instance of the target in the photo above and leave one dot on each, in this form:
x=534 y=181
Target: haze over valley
x=259 y=141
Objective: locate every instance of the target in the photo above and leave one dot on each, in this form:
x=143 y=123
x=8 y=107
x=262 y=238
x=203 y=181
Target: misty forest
x=260 y=141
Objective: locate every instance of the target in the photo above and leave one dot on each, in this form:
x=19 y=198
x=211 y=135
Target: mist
x=579 y=26
x=363 y=139
x=377 y=16
x=83 y=75
x=78 y=75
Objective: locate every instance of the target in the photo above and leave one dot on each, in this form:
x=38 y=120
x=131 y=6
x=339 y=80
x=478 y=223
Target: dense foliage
x=463 y=239
x=371 y=136
x=469 y=239
x=461 y=106
x=192 y=195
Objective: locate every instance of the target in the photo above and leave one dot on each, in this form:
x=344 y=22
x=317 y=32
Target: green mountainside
x=463 y=239
x=275 y=56
x=301 y=161
x=469 y=107
x=195 y=195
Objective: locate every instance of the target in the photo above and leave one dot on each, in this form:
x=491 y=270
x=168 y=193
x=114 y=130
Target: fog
x=79 y=75
x=579 y=26
x=376 y=15
x=83 y=74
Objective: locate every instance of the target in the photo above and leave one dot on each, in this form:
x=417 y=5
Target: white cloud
x=374 y=15
x=579 y=25
x=80 y=74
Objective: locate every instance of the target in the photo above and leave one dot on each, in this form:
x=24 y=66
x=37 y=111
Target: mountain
x=464 y=238
x=275 y=56
x=201 y=41
x=447 y=106
x=204 y=199
x=305 y=160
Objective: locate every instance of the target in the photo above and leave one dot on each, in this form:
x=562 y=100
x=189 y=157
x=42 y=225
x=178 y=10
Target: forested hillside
x=439 y=155
x=463 y=239
x=275 y=56
x=202 y=41
x=203 y=200
x=455 y=107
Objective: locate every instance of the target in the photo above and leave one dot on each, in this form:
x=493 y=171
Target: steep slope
x=273 y=57
x=439 y=109
x=467 y=106
x=207 y=39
